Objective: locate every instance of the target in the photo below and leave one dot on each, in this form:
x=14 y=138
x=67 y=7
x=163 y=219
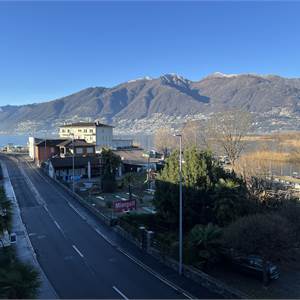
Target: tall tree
x=129 y=180
x=109 y=165
x=201 y=175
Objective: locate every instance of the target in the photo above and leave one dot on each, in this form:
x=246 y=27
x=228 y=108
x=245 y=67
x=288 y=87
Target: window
x=85 y=130
x=91 y=130
x=89 y=150
x=79 y=130
x=62 y=130
x=79 y=150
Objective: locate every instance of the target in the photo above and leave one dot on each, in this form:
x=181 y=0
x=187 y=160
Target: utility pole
x=180 y=204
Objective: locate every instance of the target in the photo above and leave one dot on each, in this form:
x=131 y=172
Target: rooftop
x=79 y=161
x=77 y=143
x=134 y=156
x=49 y=142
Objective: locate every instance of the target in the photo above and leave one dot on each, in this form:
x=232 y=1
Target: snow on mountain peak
x=141 y=78
x=174 y=78
x=220 y=74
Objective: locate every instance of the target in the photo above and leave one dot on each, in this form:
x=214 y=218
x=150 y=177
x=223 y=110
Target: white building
x=31 y=146
x=96 y=132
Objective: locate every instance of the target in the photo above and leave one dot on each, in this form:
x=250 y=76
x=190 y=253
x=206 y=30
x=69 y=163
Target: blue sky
x=52 y=49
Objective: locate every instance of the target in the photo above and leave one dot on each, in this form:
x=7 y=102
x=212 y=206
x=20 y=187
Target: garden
x=221 y=215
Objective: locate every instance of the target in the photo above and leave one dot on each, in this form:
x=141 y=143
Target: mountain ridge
x=170 y=95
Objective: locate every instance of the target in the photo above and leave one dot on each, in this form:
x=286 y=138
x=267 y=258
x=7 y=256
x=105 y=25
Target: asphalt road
x=77 y=258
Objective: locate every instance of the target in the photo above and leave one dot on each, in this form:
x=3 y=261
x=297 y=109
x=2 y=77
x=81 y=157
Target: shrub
x=266 y=235
x=203 y=245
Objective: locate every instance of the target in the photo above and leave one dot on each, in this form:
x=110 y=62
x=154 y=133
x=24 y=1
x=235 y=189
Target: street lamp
x=45 y=150
x=180 y=203
x=73 y=163
x=149 y=170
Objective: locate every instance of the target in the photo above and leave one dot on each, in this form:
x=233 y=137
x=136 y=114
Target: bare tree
x=190 y=134
x=164 y=140
x=197 y=134
x=228 y=131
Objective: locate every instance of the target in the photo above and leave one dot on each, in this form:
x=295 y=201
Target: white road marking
x=57 y=225
x=99 y=197
x=155 y=274
x=142 y=265
x=76 y=249
x=76 y=210
x=120 y=293
x=117 y=196
x=104 y=237
x=188 y=296
x=38 y=197
x=46 y=208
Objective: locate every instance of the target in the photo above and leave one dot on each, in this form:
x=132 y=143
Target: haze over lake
x=15 y=139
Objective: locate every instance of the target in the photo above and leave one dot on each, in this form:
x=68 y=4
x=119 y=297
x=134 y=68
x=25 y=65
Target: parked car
x=252 y=265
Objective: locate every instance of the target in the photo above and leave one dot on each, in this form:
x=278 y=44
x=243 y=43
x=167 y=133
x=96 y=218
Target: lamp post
x=180 y=204
x=73 y=164
x=149 y=170
x=45 y=150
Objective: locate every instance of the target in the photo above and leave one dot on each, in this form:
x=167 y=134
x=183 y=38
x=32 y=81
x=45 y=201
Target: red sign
x=124 y=205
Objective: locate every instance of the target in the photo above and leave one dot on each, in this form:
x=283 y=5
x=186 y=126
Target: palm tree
x=19 y=281
x=204 y=242
x=129 y=179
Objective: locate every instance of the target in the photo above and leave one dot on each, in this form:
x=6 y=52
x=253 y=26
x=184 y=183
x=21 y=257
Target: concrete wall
x=119 y=143
x=31 y=141
x=41 y=154
x=104 y=136
x=100 y=135
x=87 y=133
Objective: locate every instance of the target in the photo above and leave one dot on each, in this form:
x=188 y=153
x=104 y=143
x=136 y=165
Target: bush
x=138 y=220
x=266 y=235
x=19 y=281
x=291 y=212
x=167 y=244
x=203 y=245
x=108 y=185
x=109 y=204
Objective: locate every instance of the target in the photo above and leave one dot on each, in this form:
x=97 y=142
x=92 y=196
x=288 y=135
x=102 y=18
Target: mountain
x=144 y=104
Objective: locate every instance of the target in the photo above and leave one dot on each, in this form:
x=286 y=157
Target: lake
x=20 y=140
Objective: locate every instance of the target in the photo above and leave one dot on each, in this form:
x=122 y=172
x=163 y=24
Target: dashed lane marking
x=57 y=225
x=76 y=249
x=120 y=293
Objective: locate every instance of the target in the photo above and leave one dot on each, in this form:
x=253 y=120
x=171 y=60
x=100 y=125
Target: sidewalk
x=24 y=249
